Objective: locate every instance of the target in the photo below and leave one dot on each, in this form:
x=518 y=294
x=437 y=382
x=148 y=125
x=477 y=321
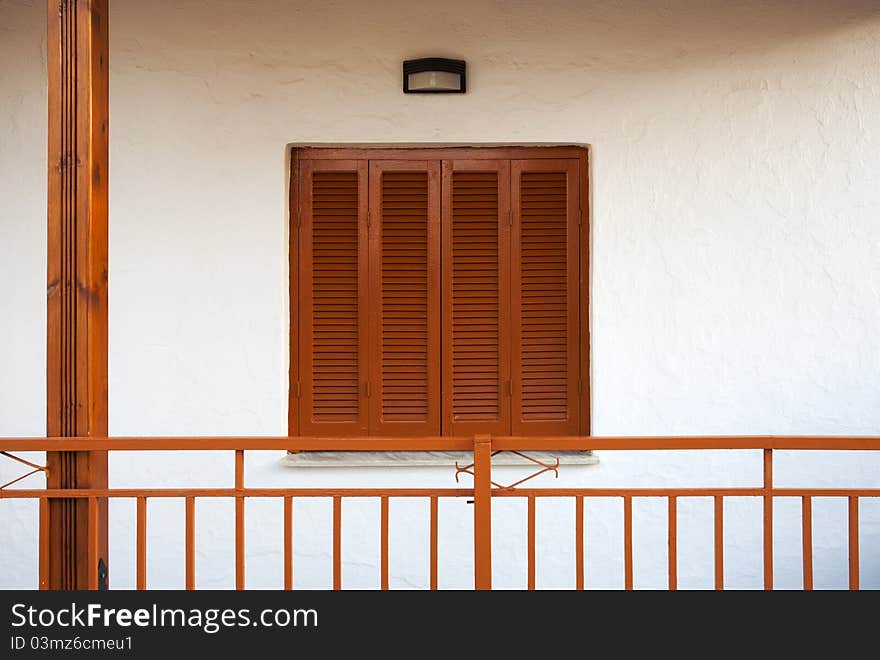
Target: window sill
x=346 y=459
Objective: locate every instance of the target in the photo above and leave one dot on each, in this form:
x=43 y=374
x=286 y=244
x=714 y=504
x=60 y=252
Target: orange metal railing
x=483 y=491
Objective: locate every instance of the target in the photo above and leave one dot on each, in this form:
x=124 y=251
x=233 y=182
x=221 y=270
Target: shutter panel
x=404 y=283
x=544 y=242
x=476 y=341
x=332 y=291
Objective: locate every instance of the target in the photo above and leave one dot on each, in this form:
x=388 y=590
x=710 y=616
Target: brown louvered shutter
x=544 y=296
x=405 y=296
x=476 y=342
x=332 y=297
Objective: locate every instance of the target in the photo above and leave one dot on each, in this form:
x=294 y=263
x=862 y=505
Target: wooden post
x=482 y=512
x=76 y=333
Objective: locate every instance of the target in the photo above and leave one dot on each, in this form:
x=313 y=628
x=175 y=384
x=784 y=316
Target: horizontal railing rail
x=482 y=492
x=441 y=443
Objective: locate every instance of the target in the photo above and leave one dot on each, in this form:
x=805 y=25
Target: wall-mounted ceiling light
x=434 y=75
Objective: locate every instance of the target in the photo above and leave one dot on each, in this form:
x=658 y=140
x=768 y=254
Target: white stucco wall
x=736 y=260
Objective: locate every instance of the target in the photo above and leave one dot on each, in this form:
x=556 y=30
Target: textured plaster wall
x=736 y=260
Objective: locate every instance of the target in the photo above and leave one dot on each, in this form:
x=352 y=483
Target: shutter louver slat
x=404 y=198
x=404 y=296
x=332 y=305
x=335 y=365
x=545 y=248
x=544 y=312
x=475 y=294
x=475 y=382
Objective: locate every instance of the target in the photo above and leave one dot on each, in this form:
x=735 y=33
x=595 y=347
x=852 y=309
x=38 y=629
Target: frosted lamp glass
x=434 y=80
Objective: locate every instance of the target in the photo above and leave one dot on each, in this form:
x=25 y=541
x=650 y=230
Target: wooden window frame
x=392 y=153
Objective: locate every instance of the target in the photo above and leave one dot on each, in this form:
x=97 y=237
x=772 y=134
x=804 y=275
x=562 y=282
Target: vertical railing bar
x=288 y=542
x=579 y=541
x=44 y=544
x=92 y=544
x=807 y=538
x=337 y=542
x=719 y=542
x=190 y=543
x=672 y=541
x=384 y=543
x=854 y=542
x=531 y=542
x=482 y=512
x=627 y=543
x=141 y=543
x=433 y=542
x=239 y=520
x=768 y=519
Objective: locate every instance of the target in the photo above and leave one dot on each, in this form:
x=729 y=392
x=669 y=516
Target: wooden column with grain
x=76 y=332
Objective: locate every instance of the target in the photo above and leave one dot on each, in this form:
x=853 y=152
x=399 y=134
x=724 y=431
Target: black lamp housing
x=434 y=75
